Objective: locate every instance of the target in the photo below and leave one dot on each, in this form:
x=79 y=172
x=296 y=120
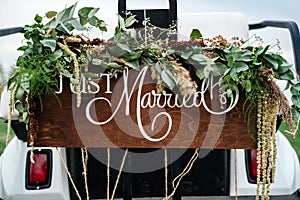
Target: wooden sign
x=128 y=112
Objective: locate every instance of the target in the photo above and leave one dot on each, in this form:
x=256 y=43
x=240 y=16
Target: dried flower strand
x=76 y=70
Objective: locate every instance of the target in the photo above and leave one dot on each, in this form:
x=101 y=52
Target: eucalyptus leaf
x=25 y=117
x=77 y=25
x=296 y=101
x=132 y=55
x=272 y=61
x=95 y=21
x=294 y=91
x=19 y=107
x=199 y=58
x=289 y=75
x=168 y=78
x=186 y=55
x=66 y=73
x=56 y=55
x=96 y=61
x=283 y=68
x=297 y=87
x=121 y=23
x=117 y=51
x=245 y=57
x=124 y=47
x=158 y=68
x=67 y=14
x=48 y=42
x=130 y=21
x=200 y=73
x=63 y=28
x=135 y=64
x=240 y=67
x=247 y=85
x=90 y=75
x=207 y=71
x=20 y=93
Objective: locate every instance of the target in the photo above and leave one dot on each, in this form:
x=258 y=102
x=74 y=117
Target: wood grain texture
x=67 y=126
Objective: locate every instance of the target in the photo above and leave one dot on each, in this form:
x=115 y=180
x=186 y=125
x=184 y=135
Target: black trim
x=10 y=31
x=74 y=163
x=19 y=130
x=48 y=152
x=248 y=160
x=294 y=33
x=159 y=17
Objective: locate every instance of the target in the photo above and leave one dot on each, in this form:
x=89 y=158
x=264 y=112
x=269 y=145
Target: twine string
x=187 y=169
x=84 y=158
x=68 y=173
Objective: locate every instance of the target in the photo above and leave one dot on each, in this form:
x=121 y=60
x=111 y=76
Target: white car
x=217 y=174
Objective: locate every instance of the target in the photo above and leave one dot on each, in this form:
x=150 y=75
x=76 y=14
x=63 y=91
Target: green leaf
x=95 y=21
x=116 y=51
x=66 y=73
x=96 y=61
x=148 y=60
x=240 y=67
x=168 y=78
x=77 y=25
x=25 y=117
x=124 y=47
x=130 y=20
x=195 y=34
x=121 y=23
x=207 y=71
x=132 y=55
x=272 y=61
x=87 y=12
x=19 y=107
x=245 y=57
x=186 y=55
x=247 y=85
x=56 y=55
x=200 y=58
x=135 y=64
x=158 y=68
x=51 y=14
x=38 y=18
x=48 y=42
x=294 y=91
x=297 y=87
x=296 y=113
x=65 y=29
x=234 y=75
x=289 y=75
x=283 y=68
x=66 y=14
x=90 y=75
x=114 y=65
x=20 y=93
x=296 y=101
x=200 y=73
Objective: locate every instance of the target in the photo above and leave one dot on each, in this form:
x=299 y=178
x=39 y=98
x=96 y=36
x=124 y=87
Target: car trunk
x=209 y=175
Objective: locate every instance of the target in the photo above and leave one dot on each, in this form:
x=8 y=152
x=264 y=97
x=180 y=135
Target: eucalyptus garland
x=59 y=48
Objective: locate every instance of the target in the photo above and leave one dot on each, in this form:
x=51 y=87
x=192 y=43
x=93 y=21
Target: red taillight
x=38 y=171
x=253 y=163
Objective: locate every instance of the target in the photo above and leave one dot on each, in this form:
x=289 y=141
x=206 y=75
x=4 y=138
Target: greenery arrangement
x=59 y=47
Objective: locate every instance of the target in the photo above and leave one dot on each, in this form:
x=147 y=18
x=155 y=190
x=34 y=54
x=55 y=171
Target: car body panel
x=12 y=173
